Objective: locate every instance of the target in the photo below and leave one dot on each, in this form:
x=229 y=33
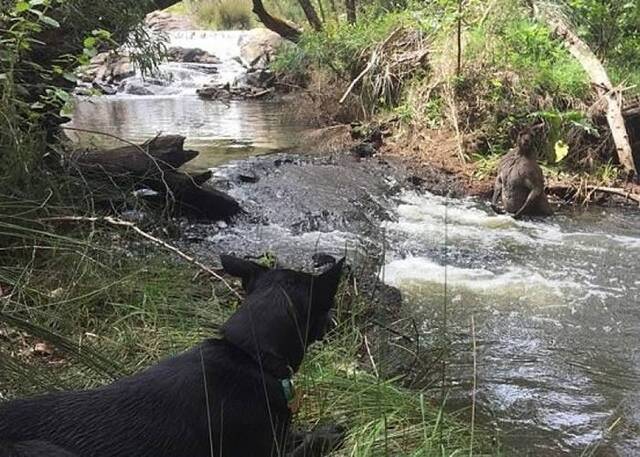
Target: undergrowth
x=235 y=14
x=513 y=73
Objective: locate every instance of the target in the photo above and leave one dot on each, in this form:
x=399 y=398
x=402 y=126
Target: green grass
x=110 y=305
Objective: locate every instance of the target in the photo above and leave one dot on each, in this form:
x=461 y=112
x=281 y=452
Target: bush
x=222 y=14
x=234 y=14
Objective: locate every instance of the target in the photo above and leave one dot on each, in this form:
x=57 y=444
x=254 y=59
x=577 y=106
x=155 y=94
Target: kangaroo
x=520 y=182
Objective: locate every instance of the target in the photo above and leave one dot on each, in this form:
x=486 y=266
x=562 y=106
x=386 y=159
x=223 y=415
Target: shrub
x=222 y=14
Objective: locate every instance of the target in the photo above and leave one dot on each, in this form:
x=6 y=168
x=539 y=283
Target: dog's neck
x=270 y=363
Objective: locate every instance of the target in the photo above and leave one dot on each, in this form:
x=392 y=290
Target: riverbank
x=454 y=104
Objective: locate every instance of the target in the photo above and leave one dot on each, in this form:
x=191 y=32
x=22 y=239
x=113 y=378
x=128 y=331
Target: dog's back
x=224 y=397
x=33 y=449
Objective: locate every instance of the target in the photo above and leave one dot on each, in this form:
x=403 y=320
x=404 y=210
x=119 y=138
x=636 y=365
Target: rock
x=110 y=67
x=105 y=71
x=43 y=349
x=248 y=178
x=370 y=142
x=416 y=180
x=227 y=91
x=363 y=149
x=161 y=21
x=200 y=68
x=105 y=89
x=191 y=55
x=215 y=92
x=134 y=89
x=259 y=78
x=258 y=46
x=321 y=259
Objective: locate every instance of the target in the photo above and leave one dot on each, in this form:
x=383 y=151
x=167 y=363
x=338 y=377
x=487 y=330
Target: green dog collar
x=288 y=389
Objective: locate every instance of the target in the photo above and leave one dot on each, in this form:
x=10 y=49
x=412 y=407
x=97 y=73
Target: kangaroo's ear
x=244 y=269
x=330 y=279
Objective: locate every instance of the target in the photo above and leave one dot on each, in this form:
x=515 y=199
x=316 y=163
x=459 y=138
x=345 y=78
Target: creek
x=555 y=303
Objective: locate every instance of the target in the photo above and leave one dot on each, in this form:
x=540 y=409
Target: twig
x=373 y=363
x=459 y=43
x=369 y=66
x=377 y=323
x=372 y=60
x=473 y=388
x=487 y=12
x=607 y=190
x=139 y=231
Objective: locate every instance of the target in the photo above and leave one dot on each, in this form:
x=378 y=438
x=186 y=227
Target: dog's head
x=283 y=313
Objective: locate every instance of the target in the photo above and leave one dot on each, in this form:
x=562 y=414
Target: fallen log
x=160 y=153
x=154 y=165
x=193 y=199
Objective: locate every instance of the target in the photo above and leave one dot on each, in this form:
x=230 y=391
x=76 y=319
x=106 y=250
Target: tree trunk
x=275 y=24
x=310 y=13
x=600 y=80
x=321 y=8
x=154 y=164
x=351 y=11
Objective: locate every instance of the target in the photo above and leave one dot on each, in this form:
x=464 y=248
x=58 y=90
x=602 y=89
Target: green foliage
x=526 y=48
x=612 y=29
x=340 y=47
x=221 y=14
x=486 y=165
x=236 y=14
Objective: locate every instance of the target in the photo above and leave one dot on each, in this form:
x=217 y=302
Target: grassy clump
x=383 y=418
x=221 y=14
x=109 y=313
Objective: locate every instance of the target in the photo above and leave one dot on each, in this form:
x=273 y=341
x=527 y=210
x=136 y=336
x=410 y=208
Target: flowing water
x=555 y=303
x=219 y=130
x=556 y=311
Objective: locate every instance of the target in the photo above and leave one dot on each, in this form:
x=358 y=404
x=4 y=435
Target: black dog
x=227 y=397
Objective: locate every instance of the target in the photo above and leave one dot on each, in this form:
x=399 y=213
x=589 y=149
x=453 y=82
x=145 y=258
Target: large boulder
x=258 y=46
x=134 y=88
x=108 y=68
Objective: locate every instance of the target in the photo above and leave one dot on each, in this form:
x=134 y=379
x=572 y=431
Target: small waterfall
x=177 y=78
x=224 y=44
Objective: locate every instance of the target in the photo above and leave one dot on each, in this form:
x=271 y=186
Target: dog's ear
x=244 y=269
x=328 y=282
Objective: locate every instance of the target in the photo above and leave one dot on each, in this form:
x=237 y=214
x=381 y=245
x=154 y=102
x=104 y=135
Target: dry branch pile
x=389 y=65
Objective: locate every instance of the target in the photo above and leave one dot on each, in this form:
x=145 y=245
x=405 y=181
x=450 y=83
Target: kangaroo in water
x=520 y=182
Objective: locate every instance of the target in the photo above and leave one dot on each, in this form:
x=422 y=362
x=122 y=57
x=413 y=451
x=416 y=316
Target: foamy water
x=557 y=312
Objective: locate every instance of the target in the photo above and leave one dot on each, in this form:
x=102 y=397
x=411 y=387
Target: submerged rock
x=132 y=88
x=191 y=55
x=228 y=91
